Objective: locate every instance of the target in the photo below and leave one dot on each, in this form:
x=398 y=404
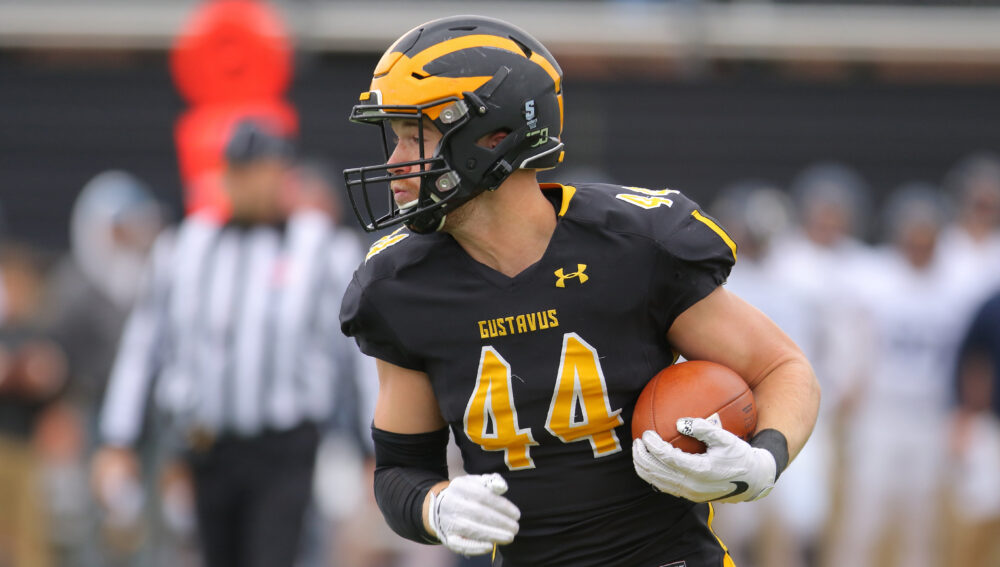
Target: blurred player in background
x=528 y=318
x=898 y=429
x=821 y=261
x=971 y=244
x=974 y=491
x=32 y=373
x=783 y=530
x=971 y=247
x=112 y=227
x=238 y=321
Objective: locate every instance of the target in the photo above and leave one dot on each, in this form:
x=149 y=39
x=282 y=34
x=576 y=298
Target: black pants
x=251 y=495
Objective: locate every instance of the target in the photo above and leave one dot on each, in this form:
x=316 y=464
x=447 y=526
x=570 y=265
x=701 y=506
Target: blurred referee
x=238 y=325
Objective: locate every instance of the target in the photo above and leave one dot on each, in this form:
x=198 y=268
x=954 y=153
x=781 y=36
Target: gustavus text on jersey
x=518 y=324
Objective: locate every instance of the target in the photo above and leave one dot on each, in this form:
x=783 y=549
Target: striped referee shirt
x=239 y=327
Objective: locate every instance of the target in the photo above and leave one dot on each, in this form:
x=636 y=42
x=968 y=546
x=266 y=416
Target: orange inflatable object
x=232 y=51
x=232 y=60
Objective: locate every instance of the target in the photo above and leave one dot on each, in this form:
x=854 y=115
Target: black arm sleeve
x=406 y=467
x=775 y=443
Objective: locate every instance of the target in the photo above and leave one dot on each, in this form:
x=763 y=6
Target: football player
x=527 y=318
x=898 y=425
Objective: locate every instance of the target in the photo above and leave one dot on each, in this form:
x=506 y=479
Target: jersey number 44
x=579 y=384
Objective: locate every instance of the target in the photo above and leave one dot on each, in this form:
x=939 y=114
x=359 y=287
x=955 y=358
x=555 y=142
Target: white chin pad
x=408 y=204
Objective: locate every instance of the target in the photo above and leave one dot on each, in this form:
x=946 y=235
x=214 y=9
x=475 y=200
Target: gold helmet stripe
x=394 y=74
x=400 y=87
x=391 y=58
x=482 y=40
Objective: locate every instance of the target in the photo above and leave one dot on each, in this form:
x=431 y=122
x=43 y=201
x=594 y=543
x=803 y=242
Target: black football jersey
x=538 y=374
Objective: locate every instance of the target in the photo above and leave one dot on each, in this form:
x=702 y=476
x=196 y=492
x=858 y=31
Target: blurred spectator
x=239 y=323
x=822 y=261
x=976 y=444
x=782 y=530
x=114 y=222
x=971 y=245
x=32 y=372
x=112 y=227
x=897 y=432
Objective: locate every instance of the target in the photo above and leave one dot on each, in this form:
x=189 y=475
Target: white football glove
x=729 y=471
x=469 y=516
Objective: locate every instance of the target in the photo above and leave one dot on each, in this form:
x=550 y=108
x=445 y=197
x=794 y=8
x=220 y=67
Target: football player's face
x=826 y=223
x=255 y=189
x=407 y=149
x=983 y=202
x=916 y=241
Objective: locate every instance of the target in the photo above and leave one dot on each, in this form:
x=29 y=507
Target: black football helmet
x=470 y=76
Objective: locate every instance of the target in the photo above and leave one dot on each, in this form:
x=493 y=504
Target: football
x=695 y=388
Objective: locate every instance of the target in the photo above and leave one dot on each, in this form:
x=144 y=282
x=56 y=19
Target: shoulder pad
x=394 y=251
x=387 y=241
x=665 y=216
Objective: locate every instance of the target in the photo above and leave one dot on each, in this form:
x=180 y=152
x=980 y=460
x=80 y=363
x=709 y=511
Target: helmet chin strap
x=433 y=221
x=426 y=223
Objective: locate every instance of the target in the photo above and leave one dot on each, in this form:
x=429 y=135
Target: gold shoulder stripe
x=567 y=196
x=386 y=241
x=716 y=229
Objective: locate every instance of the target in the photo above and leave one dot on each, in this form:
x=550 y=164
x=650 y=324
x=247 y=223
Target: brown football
x=695 y=388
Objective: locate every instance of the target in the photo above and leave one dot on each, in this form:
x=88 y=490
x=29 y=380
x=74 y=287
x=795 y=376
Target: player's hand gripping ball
x=690 y=431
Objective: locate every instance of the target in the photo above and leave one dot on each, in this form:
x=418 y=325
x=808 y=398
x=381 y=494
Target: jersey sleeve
x=361 y=319
x=694 y=256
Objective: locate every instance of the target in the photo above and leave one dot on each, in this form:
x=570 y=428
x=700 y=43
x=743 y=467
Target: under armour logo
x=580 y=268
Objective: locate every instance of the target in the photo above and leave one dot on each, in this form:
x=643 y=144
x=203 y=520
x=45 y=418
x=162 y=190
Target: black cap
x=250 y=141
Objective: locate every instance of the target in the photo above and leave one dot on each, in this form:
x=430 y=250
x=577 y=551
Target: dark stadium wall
x=63 y=121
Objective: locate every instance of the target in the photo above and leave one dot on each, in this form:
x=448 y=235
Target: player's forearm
x=788 y=400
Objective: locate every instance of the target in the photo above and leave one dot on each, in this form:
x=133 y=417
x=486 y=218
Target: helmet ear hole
x=491 y=141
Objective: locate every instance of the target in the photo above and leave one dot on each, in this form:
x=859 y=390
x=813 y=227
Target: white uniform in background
x=975 y=271
x=801 y=503
x=974 y=266
x=830 y=278
x=898 y=434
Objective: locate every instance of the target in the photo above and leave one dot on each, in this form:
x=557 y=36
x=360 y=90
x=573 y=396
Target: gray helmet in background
x=974 y=183
x=114 y=221
x=755 y=212
x=914 y=203
x=825 y=189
